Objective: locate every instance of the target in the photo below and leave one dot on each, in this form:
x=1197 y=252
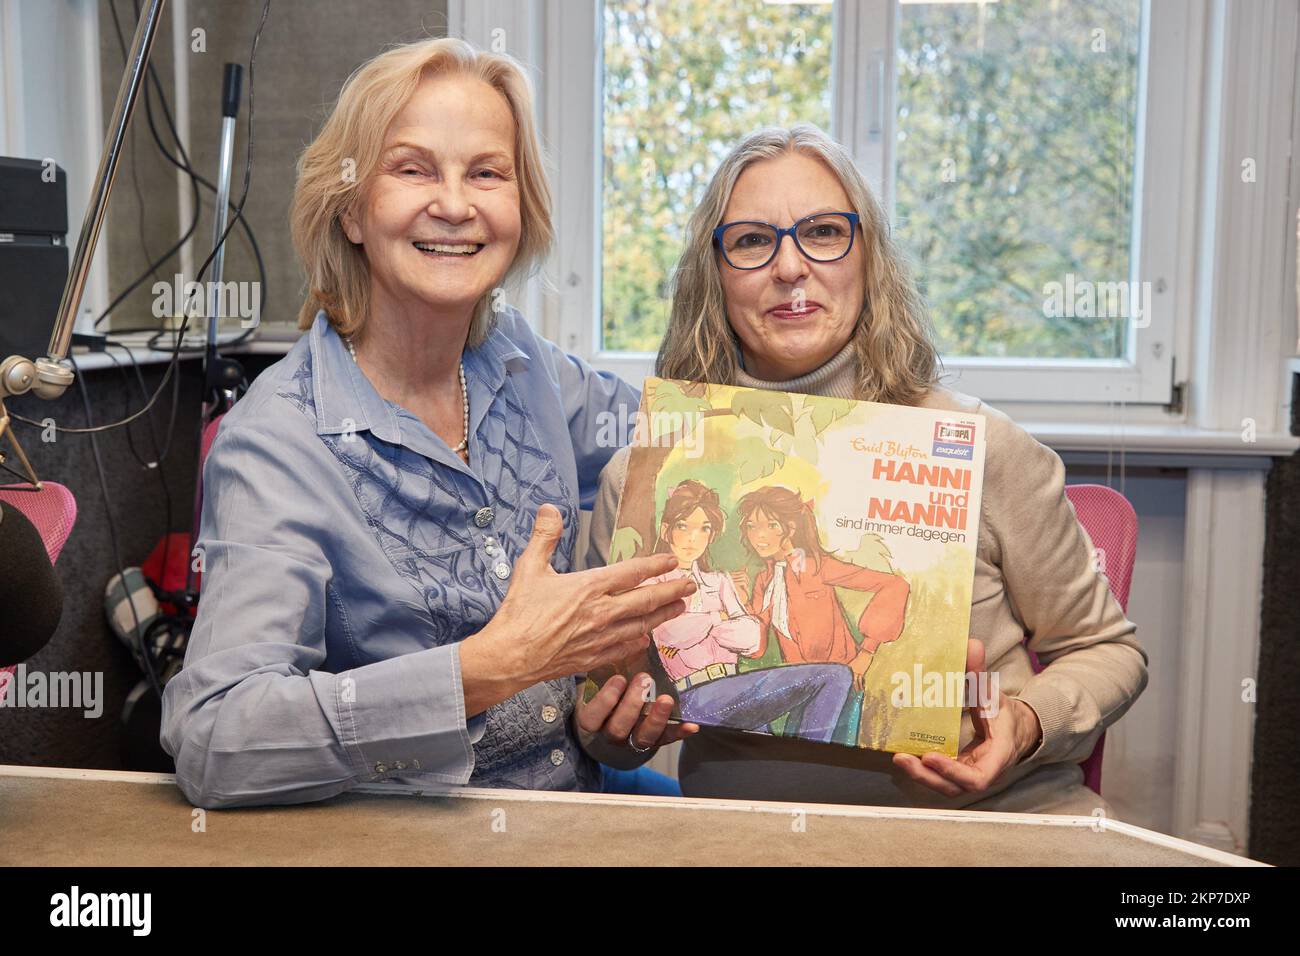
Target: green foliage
x=669 y=399
x=625 y=544
x=1015 y=152
x=1015 y=160
x=757 y=459
x=684 y=81
x=672 y=410
x=772 y=409
x=827 y=410
x=871 y=552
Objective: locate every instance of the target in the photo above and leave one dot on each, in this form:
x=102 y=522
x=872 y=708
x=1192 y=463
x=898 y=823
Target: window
x=1037 y=159
x=1015 y=156
x=683 y=81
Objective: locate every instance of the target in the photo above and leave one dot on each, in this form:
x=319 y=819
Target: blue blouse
x=347 y=551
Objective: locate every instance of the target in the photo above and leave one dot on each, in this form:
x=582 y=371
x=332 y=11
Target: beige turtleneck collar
x=837 y=378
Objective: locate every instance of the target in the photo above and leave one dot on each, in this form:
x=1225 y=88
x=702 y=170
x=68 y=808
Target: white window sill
x=1166 y=445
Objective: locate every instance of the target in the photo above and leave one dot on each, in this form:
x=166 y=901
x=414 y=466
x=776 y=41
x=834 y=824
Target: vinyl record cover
x=833 y=547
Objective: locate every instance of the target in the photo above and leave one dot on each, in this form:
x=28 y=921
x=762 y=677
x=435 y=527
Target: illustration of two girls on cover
x=820 y=683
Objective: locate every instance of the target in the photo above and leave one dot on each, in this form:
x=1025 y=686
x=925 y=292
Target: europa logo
x=954 y=440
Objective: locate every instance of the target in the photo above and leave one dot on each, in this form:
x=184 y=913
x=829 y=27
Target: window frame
x=568 y=54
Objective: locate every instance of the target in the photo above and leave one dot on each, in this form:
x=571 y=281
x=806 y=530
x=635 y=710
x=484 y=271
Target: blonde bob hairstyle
x=334 y=170
x=896 y=358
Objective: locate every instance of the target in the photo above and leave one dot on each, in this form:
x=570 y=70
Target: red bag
x=167 y=567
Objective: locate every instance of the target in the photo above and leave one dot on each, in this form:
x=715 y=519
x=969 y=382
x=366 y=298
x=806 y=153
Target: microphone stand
x=221 y=375
x=166 y=639
x=50 y=376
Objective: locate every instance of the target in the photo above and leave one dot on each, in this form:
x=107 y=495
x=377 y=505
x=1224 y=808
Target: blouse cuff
x=406 y=715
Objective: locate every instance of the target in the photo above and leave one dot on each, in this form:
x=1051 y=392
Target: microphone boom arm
x=48 y=377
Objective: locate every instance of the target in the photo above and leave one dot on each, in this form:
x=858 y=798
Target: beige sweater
x=1033 y=576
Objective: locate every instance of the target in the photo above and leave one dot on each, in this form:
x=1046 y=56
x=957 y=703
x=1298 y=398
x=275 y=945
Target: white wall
x=1137 y=774
x=49 y=103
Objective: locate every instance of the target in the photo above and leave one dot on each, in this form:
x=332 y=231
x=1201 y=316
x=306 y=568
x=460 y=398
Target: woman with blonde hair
x=390 y=512
x=833 y=311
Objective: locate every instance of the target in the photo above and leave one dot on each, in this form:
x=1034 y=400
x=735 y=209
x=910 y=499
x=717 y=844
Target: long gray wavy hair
x=897 y=361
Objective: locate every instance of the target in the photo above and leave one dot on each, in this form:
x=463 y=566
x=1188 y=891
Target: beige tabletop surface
x=108 y=818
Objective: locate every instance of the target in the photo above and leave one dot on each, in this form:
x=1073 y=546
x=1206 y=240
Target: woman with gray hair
x=834 y=312
x=389 y=514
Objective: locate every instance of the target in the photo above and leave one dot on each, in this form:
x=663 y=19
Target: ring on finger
x=631 y=742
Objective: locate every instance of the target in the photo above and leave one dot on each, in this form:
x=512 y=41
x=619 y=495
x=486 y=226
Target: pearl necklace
x=463 y=444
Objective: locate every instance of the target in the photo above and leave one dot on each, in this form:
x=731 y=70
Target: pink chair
x=209 y=436
x=1112 y=525
x=52 y=512
x=205 y=445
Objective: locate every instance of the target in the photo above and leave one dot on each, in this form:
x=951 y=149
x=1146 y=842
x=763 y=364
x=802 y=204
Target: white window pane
x=684 y=80
x=1015 y=173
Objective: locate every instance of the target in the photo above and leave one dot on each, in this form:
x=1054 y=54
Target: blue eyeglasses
x=825 y=237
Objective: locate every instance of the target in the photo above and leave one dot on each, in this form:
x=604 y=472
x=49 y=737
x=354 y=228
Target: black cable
x=139 y=205
x=152 y=343
x=195 y=177
x=130 y=437
x=146 y=654
x=159 y=456
x=239 y=213
x=171 y=367
x=175 y=626
x=121 y=42
x=196 y=180
x=156 y=464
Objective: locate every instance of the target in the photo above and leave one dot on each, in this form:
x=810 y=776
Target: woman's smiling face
x=439 y=219
x=793 y=314
x=767 y=536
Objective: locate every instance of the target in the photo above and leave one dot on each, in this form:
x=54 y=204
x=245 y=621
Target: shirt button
x=399 y=765
x=549 y=714
x=381 y=768
x=490 y=550
x=502 y=570
x=557 y=757
x=483 y=517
